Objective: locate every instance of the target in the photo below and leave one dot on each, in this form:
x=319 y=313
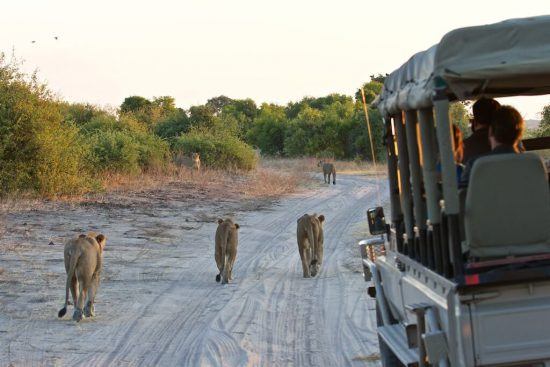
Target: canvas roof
x=502 y=59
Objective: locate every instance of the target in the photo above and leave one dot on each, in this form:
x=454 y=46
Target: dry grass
x=274 y=177
x=310 y=165
x=359 y=167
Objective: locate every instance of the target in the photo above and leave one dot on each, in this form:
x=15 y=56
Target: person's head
x=458 y=144
x=483 y=109
x=507 y=127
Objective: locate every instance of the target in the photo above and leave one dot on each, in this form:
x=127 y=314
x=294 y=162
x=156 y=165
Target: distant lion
x=193 y=162
x=196 y=161
x=227 y=240
x=310 y=243
x=83 y=262
x=328 y=169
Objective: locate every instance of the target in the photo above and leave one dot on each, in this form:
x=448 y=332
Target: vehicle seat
x=507 y=209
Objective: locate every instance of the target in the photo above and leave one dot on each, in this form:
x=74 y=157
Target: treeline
x=332 y=126
x=53 y=147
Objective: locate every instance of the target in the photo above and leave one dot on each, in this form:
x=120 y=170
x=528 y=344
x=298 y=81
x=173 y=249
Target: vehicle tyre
x=387 y=357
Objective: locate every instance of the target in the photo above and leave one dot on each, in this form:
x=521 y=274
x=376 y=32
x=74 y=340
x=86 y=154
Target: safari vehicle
x=462 y=278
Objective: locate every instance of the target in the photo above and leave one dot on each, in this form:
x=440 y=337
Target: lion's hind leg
x=74 y=289
x=304 y=256
x=219 y=262
x=231 y=262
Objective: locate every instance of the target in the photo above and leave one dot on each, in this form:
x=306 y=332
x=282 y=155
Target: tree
x=134 y=104
x=294 y=108
x=173 y=125
x=166 y=104
x=202 y=116
x=217 y=104
x=268 y=129
x=39 y=151
x=459 y=116
x=544 y=126
x=372 y=89
x=241 y=114
x=380 y=78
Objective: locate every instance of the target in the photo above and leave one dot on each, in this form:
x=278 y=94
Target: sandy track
x=159 y=303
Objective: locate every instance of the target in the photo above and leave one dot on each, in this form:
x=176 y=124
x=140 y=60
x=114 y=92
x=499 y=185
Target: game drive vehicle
x=462 y=277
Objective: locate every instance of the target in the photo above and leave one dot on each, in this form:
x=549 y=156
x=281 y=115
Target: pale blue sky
x=271 y=51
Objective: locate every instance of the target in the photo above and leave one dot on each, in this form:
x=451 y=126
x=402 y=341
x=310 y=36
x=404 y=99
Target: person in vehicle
x=478 y=143
x=458 y=153
x=505 y=132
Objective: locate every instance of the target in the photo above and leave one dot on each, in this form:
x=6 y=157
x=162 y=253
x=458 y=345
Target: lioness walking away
x=83 y=261
x=328 y=169
x=226 y=249
x=310 y=243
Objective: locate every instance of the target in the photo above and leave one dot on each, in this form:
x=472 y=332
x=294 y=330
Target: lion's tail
x=70 y=275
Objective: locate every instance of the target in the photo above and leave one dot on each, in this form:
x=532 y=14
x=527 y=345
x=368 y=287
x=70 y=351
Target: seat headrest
x=507 y=209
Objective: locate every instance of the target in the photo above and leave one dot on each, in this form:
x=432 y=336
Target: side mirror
x=377 y=221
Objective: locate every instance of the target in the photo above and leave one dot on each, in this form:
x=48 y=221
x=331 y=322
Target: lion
x=328 y=169
x=226 y=249
x=83 y=263
x=193 y=161
x=196 y=161
x=310 y=243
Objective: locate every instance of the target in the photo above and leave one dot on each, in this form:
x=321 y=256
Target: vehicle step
x=396 y=339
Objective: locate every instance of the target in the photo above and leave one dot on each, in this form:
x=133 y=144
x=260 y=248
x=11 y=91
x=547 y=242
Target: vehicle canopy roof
x=502 y=59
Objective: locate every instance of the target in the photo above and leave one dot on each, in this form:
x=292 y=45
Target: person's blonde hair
x=458 y=144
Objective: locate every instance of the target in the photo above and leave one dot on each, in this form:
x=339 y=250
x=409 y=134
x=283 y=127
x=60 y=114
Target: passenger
x=458 y=153
x=478 y=143
x=505 y=134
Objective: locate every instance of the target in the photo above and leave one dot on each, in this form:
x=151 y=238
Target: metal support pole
x=404 y=182
x=391 y=157
x=429 y=167
x=411 y=126
x=450 y=184
x=446 y=151
x=393 y=181
x=431 y=176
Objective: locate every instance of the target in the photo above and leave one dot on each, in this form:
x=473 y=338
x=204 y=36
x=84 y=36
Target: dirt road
x=159 y=303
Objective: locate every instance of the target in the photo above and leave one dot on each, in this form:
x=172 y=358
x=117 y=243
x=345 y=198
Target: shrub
x=217 y=150
x=173 y=125
x=38 y=151
x=61 y=164
x=126 y=151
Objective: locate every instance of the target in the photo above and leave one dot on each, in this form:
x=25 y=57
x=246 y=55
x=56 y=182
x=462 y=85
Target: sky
x=270 y=51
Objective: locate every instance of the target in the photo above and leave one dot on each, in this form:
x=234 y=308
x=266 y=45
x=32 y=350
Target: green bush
x=128 y=152
x=173 y=125
x=123 y=144
x=61 y=165
x=38 y=151
x=217 y=150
